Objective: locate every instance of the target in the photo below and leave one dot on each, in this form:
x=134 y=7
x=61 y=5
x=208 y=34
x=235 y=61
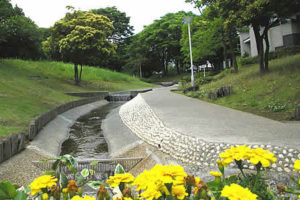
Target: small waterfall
x=118 y=97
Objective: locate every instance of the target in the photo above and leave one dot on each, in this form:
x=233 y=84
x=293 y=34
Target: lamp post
x=188 y=20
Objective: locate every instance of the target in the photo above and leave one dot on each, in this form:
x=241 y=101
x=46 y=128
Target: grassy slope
x=273 y=95
x=23 y=97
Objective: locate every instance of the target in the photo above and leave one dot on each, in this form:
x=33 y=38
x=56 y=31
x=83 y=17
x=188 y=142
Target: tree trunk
x=177 y=67
x=233 y=57
x=141 y=74
x=266 y=38
x=80 y=73
x=260 y=47
x=76 y=74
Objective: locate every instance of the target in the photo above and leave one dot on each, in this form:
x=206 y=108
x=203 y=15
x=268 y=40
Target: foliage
x=158 y=45
x=120 y=35
x=81 y=38
x=253 y=92
x=160 y=182
x=19 y=36
x=30 y=88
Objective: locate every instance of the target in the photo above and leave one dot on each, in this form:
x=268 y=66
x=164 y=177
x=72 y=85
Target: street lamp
x=188 y=20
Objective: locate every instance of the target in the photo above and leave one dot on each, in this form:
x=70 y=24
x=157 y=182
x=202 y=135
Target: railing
x=103 y=169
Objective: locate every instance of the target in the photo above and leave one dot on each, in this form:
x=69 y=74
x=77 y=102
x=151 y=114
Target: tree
x=120 y=35
x=19 y=36
x=261 y=15
x=225 y=31
x=160 y=44
x=81 y=38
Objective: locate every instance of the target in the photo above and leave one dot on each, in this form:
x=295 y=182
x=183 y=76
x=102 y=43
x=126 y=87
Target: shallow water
x=86 y=139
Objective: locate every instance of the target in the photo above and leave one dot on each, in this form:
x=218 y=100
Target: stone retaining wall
x=139 y=117
x=16 y=142
x=87 y=94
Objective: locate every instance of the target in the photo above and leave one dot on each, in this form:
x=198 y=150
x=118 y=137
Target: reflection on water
x=86 y=139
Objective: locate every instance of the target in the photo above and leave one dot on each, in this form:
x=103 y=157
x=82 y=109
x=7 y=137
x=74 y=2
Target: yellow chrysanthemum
x=297 y=165
x=45 y=196
x=84 y=198
x=265 y=157
x=41 y=182
x=234 y=153
x=115 y=180
x=215 y=174
x=197 y=180
x=237 y=192
x=179 y=191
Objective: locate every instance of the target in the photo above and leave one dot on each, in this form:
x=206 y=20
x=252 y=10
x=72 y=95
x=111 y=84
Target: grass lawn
x=29 y=88
x=273 y=95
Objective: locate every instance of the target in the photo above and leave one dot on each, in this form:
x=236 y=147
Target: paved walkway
x=214 y=123
x=196 y=132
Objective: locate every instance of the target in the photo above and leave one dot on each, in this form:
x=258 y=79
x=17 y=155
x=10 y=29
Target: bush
x=278 y=53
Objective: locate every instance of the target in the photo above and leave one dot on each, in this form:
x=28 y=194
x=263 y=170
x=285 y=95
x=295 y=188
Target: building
x=281 y=35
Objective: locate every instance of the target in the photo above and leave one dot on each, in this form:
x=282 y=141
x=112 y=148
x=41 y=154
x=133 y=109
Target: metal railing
x=103 y=169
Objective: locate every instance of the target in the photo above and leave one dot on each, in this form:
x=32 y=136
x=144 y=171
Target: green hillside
x=273 y=95
x=29 y=88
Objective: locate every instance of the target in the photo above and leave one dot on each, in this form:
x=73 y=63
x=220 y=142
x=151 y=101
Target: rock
x=212 y=95
x=287 y=170
x=1 y=152
x=6 y=149
x=279 y=169
x=297 y=113
x=14 y=144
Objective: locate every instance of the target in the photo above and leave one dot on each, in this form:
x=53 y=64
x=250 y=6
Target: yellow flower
x=216 y=174
x=197 y=181
x=85 y=198
x=237 y=192
x=127 y=198
x=65 y=190
x=265 y=157
x=152 y=192
x=297 y=165
x=41 y=182
x=115 y=180
x=179 y=191
x=45 y=196
x=234 y=153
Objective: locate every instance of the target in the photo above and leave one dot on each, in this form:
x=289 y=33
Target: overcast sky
x=142 y=12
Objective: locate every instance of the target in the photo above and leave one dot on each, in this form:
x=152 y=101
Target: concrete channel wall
x=16 y=142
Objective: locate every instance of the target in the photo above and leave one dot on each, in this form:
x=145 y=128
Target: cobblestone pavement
x=140 y=119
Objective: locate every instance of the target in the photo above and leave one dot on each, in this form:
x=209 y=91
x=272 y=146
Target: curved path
x=196 y=132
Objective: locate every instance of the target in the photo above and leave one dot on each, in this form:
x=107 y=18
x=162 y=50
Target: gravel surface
x=19 y=169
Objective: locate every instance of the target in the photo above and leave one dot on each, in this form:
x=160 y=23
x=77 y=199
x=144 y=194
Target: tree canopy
x=19 y=36
x=81 y=38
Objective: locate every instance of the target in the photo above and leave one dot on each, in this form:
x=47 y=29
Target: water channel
x=86 y=139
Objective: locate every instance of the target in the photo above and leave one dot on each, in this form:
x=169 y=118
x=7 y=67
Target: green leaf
x=94 y=163
x=63 y=180
x=73 y=170
x=51 y=173
x=85 y=173
x=92 y=172
x=119 y=169
x=55 y=165
x=21 y=195
x=7 y=190
x=80 y=180
x=96 y=184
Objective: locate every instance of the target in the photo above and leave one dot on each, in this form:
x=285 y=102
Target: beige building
x=281 y=35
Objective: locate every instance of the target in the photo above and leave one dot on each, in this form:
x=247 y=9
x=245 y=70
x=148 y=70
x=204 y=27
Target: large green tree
x=217 y=30
x=160 y=44
x=19 y=36
x=81 y=38
x=261 y=15
x=120 y=35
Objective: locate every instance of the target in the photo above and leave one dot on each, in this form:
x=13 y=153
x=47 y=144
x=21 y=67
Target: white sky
x=141 y=12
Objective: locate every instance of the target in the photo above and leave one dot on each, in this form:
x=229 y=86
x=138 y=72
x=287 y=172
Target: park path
x=214 y=123
x=195 y=132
